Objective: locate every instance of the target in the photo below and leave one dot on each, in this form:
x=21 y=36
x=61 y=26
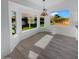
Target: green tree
x=57 y=16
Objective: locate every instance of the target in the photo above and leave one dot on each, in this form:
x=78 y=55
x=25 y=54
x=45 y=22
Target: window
x=42 y=22
x=25 y=24
x=34 y=22
x=29 y=23
x=13 y=19
x=60 y=18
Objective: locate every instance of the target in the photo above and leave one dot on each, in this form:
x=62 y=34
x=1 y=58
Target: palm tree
x=57 y=16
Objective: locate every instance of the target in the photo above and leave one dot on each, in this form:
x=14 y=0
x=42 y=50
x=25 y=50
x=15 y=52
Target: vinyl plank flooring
x=22 y=49
x=62 y=47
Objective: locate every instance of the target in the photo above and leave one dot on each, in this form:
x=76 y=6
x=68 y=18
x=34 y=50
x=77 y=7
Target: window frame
x=29 y=24
x=10 y=24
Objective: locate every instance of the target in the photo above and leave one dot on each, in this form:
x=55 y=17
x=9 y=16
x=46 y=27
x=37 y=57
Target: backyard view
x=29 y=23
x=60 y=18
x=41 y=22
x=13 y=22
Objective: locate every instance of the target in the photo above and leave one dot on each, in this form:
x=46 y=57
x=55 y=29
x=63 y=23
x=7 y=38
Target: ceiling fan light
x=44 y=13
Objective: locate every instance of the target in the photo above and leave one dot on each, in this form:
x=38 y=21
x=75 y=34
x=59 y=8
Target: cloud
x=52 y=14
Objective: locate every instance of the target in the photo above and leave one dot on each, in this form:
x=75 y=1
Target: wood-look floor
x=22 y=49
x=60 y=47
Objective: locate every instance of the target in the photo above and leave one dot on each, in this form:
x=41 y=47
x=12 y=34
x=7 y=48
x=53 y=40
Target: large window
x=29 y=23
x=42 y=22
x=60 y=18
x=13 y=19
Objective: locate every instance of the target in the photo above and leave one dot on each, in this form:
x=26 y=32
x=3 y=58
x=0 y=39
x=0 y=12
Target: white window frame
x=28 y=29
x=10 y=23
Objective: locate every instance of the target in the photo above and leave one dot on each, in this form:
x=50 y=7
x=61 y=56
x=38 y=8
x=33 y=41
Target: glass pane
x=60 y=18
x=13 y=22
x=34 y=22
x=41 y=22
x=25 y=23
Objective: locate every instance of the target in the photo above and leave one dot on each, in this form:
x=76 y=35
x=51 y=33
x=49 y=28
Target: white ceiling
x=51 y=5
x=48 y=3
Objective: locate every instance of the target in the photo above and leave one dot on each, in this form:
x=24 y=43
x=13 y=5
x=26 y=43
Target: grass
x=26 y=28
x=41 y=25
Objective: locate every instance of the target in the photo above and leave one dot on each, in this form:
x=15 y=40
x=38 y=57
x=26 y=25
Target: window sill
x=29 y=30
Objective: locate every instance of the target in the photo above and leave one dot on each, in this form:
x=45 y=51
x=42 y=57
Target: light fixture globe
x=44 y=13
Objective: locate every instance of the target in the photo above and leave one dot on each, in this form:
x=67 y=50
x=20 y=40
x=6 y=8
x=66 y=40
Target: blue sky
x=62 y=13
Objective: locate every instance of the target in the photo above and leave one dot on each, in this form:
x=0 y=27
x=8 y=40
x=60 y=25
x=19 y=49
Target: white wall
x=20 y=35
x=66 y=4
x=8 y=42
x=5 y=43
x=70 y=30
